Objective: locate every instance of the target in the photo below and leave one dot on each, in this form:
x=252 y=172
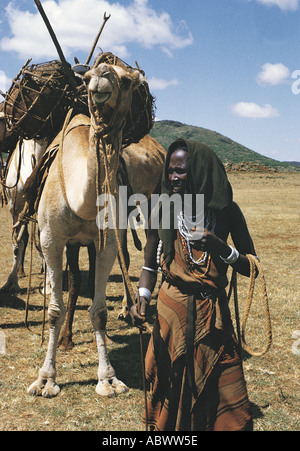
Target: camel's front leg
x=12 y=285
x=108 y=384
x=45 y=385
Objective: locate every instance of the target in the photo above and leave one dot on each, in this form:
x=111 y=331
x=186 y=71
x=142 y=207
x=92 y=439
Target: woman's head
x=199 y=171
x=192 y=168
x=178 y=167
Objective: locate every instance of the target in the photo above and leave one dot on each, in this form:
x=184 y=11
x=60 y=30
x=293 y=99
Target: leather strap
x=189 y=338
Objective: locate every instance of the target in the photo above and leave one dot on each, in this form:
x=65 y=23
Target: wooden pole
x=142 y=362
x=105 y=19
x=66 y=65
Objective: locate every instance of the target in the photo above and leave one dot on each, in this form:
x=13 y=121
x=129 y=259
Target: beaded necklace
x=185 y=236
x=191 y=264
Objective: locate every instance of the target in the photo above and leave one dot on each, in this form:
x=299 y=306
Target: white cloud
x=77 y=22
x=253 y=111
x=157 y=84
x=284 y=5
x=273 y=74
x=5 y=82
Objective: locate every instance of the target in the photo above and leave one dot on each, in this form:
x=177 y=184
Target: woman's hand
x=211 y=243
x=138 y=318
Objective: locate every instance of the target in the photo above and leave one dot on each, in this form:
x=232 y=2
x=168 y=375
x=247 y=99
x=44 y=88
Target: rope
x=143 y=365
x=44 y=304
x=29 y=290
x=59 y=158
x=145 y=326
x=122 y=259
x=233 y=287
x=128 y=282
x=254 y=263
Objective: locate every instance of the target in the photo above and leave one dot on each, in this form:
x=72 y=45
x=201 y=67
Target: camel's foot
x=108 y=341
x=119 y=387
x=65 y=343
x=45 y=388
x=48 y=290
x=124 y=315
x=110 y=388
x=10 y=287
x=21 y=273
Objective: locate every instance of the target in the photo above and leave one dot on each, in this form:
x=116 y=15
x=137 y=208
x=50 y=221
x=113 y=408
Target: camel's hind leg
x=46 y=385
x=65 y=340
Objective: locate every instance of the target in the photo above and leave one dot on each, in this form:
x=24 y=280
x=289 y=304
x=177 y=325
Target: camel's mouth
x=100 y=98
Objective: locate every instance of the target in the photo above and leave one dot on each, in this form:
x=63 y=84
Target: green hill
x=228 y=150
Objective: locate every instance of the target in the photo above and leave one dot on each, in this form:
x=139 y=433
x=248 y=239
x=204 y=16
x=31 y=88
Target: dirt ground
x=270 y=203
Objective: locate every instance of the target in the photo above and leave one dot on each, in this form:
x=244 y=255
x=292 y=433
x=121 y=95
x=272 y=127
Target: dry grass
x=271 y=207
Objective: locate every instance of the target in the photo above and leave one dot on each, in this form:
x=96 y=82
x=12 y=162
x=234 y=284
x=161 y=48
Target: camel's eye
x=126 y=83
x=87 y=77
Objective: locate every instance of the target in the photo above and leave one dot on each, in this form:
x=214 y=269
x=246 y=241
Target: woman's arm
x=148 y=277
x=242 y=240
x=240 y=237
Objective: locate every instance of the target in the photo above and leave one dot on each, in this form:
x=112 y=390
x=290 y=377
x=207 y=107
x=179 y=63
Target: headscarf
x=206 y=175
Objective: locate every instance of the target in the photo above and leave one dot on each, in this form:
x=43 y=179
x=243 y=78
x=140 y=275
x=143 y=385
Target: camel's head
x=110 y=90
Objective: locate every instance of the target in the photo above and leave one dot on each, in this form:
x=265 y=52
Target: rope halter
x=100 y=127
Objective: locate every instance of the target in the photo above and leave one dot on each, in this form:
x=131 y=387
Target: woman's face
x=178 y=170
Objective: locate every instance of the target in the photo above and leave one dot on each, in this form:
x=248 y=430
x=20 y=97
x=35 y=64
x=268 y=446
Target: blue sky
x=226 y=65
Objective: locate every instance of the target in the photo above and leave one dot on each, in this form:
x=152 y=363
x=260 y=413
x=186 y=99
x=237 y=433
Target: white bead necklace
x=158 y=253
x=186 y=234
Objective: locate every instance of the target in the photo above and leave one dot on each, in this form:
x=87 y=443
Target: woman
x=192 y=362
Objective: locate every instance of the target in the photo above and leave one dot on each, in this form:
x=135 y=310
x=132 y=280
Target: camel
x=143 y=161
x=144 y=165
x=68 y=210
x=24 y=158
x=25 y=154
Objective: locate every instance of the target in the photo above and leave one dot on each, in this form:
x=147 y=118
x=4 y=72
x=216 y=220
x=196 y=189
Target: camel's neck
x=112 y=138
x=102 y=167
x=104 y=152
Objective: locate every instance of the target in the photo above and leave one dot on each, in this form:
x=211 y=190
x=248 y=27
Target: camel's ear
x=137 y=78
x=134 y=80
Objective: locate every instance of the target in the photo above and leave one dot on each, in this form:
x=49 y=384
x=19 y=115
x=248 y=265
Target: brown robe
x=192 y=363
